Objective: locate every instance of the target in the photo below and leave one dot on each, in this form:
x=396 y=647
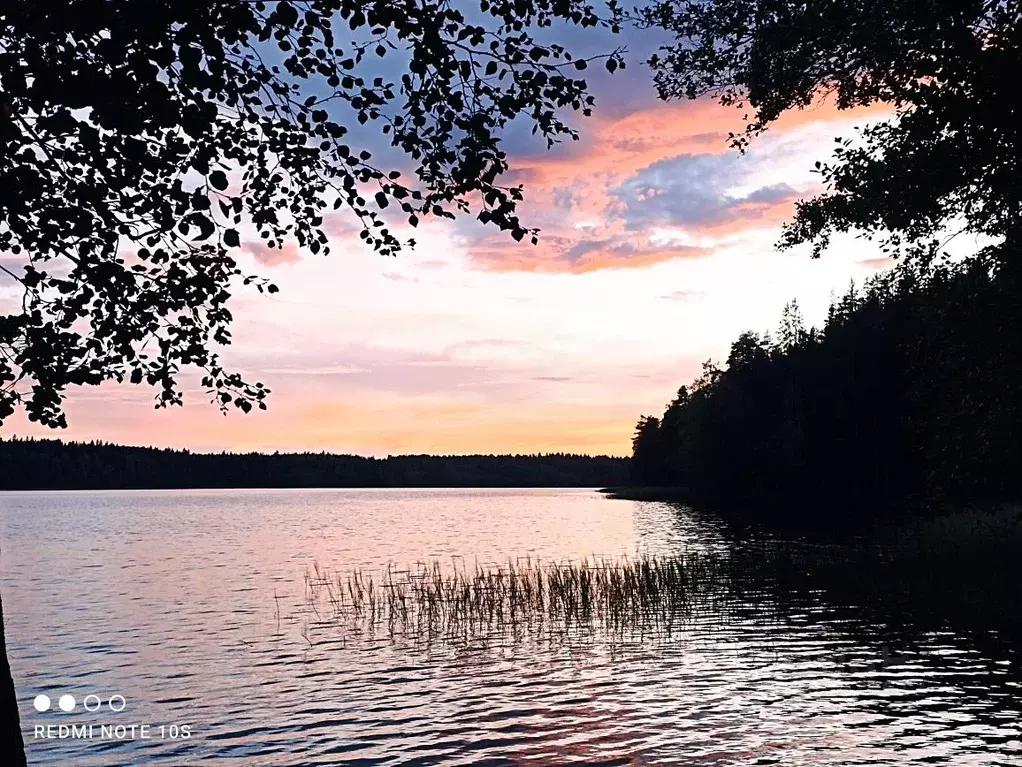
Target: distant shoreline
x=275 y=488
x=31 y=464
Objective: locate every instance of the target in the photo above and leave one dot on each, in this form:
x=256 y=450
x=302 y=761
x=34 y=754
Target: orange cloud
x=576 y=255
x=572 y=194
x=618 y=148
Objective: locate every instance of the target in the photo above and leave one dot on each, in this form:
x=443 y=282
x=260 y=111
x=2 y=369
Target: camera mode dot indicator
x=66 y=702
x=41 y=703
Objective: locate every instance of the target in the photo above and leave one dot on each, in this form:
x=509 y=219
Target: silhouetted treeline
x=910 y=393
x=28 y=464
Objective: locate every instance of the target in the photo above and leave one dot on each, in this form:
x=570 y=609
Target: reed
x=928 y=574
x=645 y=594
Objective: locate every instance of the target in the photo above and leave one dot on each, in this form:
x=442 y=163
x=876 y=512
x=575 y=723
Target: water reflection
x=193 y=606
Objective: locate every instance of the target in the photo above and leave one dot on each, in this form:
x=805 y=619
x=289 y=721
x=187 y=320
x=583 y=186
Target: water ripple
x=190 y=605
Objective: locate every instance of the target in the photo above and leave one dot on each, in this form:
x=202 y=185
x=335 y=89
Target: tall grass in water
x=964 y=569
x=627 y=596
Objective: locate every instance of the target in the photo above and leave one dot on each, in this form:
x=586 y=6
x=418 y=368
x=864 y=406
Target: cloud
x=598 y=201
x=324 y=370
x=577 y=254
x=398 y=277
x=695 y=192
x=288 y=254
x=433 y=263
x=10 y=260
x=480 y=372
x=684 y=295
x=877 y=264
x=484 y=345
x=567 y=197
x=624 y=251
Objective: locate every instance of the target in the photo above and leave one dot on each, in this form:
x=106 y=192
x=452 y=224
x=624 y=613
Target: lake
x=192 y=606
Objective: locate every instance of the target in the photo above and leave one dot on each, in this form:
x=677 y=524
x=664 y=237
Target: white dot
x=95 y=706
x=116 y=697
x=41 y=703
x=66 y=702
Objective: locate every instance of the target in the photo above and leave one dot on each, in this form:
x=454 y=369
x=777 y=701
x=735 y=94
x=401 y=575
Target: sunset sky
x=656 y=251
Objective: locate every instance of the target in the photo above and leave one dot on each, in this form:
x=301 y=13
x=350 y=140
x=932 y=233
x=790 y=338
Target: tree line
x=31 y=464
x=909 y=394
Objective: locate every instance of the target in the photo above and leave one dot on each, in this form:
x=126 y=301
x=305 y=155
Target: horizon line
x=277 y=452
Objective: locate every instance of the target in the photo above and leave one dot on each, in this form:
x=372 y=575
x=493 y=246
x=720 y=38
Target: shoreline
x=648 y=493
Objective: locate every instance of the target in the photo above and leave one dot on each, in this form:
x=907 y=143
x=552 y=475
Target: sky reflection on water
x=191 y=605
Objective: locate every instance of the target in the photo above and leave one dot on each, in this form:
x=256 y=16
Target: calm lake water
x=191 y=605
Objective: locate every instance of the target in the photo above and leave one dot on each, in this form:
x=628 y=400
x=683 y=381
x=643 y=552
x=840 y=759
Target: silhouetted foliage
x=30 y=464
x=140 y=140
x=647 y=450
x=949 y=68
x=910 y=393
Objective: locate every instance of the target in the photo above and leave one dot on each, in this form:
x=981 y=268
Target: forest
x=31 y=464
x=908 y=397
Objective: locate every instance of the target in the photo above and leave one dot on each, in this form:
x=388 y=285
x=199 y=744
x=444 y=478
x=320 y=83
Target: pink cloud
x=685 y=295
x=288 y=254
x=398 y=277
x=576 y=254
x=877 y=264
x=574 y=195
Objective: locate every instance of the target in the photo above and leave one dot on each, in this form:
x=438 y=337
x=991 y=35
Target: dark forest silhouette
x=28 y=464
x=909 y=395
